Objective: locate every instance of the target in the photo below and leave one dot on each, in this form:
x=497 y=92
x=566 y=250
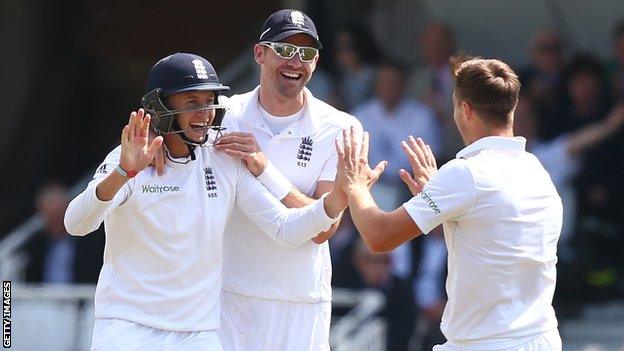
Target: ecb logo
x=200 y=69
x=211 y=183
x=305 y=151
x=297 y=18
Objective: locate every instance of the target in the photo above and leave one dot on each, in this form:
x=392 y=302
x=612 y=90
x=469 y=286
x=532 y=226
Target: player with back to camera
x=159 y=286
x=500 y=211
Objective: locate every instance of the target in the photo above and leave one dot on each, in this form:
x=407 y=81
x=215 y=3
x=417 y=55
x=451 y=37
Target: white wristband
x=275 y=181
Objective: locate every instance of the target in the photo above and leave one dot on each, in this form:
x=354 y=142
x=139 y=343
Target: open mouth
x=198 y=125
x=292 y=75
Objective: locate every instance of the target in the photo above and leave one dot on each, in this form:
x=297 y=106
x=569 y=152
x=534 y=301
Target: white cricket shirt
x=164 y=236
x=305 y=154
x=502 y=218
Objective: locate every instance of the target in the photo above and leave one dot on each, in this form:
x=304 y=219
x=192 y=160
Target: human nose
x=296 y=59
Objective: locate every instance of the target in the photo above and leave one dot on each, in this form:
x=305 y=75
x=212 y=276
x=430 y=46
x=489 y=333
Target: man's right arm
x=86 y=212
x=288 y=227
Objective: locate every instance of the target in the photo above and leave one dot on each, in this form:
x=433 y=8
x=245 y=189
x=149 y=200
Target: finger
x=160 y=161
x=411 y=157
x=431 y=158
x=237 y=139
x=381 y=166
x=413 y=143
x=340 y=153
x=238 y=134
x=154 y=146
x=239 y=147
x=347 y=148
x=409 y=181
x=131 y=125
x=145 y=126
x=124 y=134
x=232 y=144
x=364 y=148
x=237 y=154
x=138 y=123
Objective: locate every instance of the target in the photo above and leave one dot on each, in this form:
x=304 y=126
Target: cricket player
x=161 y=279
x=500 y=211
x=276 y=297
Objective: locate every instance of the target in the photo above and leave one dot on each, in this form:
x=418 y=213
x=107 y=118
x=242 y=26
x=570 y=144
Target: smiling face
x=285 y=77
x=194 y=123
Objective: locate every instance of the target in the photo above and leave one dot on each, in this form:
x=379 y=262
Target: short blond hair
x=489 y=85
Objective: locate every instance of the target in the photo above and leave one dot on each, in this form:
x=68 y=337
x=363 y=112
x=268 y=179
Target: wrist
x=339 y=198
x=275 y=181
x=355 y=188
x=124 y=172
x=333 y=208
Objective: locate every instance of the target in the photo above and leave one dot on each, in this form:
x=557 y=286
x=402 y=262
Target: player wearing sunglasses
x=277 y=298
x=288 y=51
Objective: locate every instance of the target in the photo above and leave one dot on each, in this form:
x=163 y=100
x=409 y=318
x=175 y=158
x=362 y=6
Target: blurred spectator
x=616 y=66
x=355 y=56
x=432 y=83
x=373 y=271
x=54 y=255
x=391 y=116
x=322 y=85
x=587 y=93
x=562 y=156
x=543 y=80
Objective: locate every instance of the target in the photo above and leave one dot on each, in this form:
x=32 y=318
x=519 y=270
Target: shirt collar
x=493 y=142
x=308 y=125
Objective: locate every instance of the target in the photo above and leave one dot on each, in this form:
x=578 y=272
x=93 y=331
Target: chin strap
x=190 y=144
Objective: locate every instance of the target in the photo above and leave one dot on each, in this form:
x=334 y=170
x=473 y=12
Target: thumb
x=154 y=146
x=159 y=159
x=381 y=166
x=409 y=181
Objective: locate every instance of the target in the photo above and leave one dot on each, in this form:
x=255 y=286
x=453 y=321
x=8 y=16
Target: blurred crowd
x=570 y=110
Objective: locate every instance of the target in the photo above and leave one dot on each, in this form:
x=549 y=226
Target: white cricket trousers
x=255 y=324
x=122 y=335
x=548 y=341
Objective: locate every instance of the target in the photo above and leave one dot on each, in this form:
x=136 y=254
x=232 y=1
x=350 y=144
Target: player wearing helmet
x=160 y=281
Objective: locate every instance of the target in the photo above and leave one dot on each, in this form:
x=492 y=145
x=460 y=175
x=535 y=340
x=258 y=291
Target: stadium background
x=72 y=70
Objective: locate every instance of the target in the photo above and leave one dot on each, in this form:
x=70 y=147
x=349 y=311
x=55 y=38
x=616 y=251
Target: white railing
x=60 y=317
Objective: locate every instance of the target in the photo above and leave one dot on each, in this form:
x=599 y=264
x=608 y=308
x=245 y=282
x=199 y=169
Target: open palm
x=135 y=152
x=353 y=168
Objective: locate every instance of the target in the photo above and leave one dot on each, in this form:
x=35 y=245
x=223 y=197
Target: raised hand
x=353 y=168
x=244 y=146
x=136 y=151
x=421 y=160
x=159 y=159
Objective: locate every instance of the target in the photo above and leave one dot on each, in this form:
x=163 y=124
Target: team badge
x=305 y=151
x=200 y=69
x=296 y=17
x=211 y=183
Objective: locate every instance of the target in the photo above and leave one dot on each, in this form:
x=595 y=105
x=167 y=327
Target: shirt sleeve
x=86 y=212
x=449 y=194
x=289 y=227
